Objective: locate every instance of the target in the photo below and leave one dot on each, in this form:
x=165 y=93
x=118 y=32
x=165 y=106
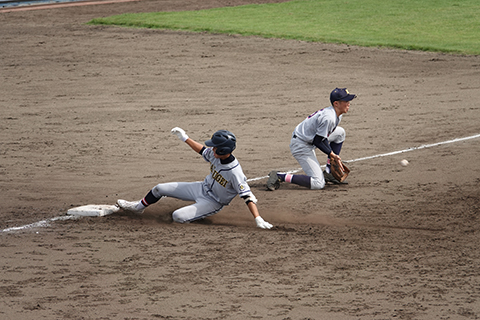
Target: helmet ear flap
x=223 y=151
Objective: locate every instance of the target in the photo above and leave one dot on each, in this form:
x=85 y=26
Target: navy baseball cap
x=341 y=94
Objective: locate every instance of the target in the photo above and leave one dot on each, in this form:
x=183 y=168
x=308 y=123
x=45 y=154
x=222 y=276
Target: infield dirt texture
x=85 y=116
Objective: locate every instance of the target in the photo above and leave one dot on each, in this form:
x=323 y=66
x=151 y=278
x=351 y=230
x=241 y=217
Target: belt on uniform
x=294 y=136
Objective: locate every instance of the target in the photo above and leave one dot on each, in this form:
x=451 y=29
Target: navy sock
x=336 y=148
x=299 y=179
x=149 y=199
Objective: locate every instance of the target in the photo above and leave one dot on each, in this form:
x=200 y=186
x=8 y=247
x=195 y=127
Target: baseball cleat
x=330 y=178
x=129 y=206
x=273 y=182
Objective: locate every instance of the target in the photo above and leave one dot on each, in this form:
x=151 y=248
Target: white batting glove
x=180 y=133
x=262 y=223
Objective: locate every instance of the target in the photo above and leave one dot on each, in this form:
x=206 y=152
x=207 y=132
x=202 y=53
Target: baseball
x=404 y=162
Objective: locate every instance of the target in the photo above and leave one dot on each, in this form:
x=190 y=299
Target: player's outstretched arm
x=180 y=133
x=259 y=220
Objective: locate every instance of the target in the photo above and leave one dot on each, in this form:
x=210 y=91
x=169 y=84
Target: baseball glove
x=338 y=169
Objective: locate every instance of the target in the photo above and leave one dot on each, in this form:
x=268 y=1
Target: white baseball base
x=93 y=210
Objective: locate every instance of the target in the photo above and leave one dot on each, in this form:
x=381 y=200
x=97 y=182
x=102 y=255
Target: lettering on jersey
x=218 y=177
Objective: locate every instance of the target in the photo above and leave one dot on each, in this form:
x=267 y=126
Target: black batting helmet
x=224 y=141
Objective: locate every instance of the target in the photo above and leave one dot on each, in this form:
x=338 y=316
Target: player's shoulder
x=207 y=153
x=234 y=167
x=325 y=114
x=327 y=111
x=330 y=112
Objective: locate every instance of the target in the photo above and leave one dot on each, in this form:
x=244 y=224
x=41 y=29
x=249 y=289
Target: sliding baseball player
x=225 y=181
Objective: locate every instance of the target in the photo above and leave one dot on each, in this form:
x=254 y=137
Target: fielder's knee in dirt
x=317 y=183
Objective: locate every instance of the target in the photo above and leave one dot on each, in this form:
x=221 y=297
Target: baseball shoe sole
x=273 y=182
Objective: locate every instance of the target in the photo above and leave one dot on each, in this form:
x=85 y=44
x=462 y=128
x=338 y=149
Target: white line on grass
x=46 y=223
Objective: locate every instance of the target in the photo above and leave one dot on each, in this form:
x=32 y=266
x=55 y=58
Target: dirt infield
x=85 y=118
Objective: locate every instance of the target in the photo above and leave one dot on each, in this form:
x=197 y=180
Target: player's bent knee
x=317 y=183
x=338 y=136
x=157 y=191
x=178 y=217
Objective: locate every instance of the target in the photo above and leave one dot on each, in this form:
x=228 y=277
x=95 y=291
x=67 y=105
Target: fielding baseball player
x=225 y=181
x=319 y=130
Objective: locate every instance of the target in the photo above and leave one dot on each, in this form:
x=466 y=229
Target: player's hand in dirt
x=262 y=223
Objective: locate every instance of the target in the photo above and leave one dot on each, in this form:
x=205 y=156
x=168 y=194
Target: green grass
x=432 y=25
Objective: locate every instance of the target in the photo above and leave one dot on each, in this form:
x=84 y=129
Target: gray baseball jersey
x=322 y=122
x=225 y=181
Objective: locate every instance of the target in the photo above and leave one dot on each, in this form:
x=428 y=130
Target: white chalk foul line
x=46 y=223
x=390 y=153
x=43 y=223
x=416 y=148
